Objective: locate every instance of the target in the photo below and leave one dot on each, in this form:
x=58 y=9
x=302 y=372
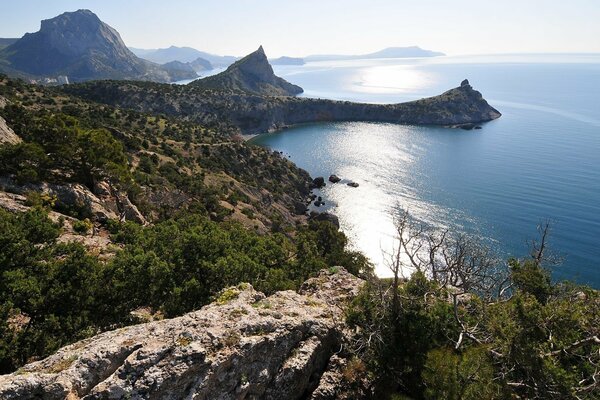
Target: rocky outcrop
x=7 y=135
x=106 y=204
x=252 y=74
x=79 y=45
x=243 y=346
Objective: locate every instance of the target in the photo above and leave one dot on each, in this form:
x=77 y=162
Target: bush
x=82 y=226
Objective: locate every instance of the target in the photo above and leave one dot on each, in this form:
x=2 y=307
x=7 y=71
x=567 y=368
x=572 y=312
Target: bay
x=540 y=160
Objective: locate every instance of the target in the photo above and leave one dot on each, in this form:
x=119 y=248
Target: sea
x=539 y=162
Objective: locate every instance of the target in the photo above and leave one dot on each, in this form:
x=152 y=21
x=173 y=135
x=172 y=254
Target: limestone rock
x=107 y=205
x=243 y=346
x=7 y=135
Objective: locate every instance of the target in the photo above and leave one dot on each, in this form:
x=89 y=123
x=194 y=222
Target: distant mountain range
x=82 y=47
x=183 y=54
x=188 y=54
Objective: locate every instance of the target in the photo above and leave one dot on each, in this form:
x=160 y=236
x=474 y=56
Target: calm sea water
x=540 y=160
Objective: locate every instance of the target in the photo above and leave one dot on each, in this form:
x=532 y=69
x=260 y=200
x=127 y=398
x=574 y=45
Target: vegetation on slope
x=466 y=326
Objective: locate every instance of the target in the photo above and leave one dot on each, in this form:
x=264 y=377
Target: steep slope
x=251 y=74
x=78 y=44
x=242 y=346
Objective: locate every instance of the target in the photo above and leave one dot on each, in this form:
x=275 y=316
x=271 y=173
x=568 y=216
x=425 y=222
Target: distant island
x=390 y=52
x=287 y=61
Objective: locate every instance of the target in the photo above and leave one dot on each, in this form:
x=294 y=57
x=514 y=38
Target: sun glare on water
x=392 y=79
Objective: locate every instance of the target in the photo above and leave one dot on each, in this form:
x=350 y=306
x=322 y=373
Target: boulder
x=299 y=208
x=318 y=182
x=353 y=184
x=334 y=179
x=243 y=346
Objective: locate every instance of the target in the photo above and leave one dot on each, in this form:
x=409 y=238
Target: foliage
x=52 y=294
x=445 y=333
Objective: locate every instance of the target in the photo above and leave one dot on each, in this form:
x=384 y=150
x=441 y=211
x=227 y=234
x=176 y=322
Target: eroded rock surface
x=243 y=346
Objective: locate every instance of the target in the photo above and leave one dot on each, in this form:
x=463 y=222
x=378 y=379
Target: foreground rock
x=243 y=346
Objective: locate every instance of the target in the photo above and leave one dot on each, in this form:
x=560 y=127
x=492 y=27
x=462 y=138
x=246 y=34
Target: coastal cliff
x=249 y=97
x=242 y=346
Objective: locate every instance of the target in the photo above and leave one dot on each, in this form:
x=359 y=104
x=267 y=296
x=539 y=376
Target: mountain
x=287 y=61
x=79 y=45
x=183 y=54
x=390 y=52
x=252 y=74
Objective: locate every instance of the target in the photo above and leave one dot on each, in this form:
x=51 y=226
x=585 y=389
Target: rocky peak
x=79 y=45
x=243 y=346
x=253 y=74
x=70 y=35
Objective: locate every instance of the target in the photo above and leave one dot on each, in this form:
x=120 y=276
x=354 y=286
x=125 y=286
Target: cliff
x=242 y=346
x=251 y=113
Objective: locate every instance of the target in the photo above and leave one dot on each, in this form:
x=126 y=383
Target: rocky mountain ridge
x=226 y=99
x=243 y=346
x=79 y=45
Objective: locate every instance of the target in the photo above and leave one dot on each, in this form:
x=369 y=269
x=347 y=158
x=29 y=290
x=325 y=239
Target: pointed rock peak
x=465 y=83
x=253 y=74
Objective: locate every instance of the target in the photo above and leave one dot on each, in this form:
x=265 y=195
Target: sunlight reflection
x=392 y=79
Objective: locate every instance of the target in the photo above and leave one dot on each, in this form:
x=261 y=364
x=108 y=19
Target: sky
x=303 y=27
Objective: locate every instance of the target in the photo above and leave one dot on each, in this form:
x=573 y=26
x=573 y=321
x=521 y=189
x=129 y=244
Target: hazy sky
x=302 y=27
